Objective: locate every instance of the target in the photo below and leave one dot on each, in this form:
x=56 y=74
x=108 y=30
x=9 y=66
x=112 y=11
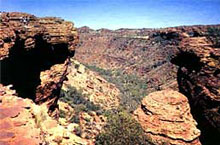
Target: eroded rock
x=199 y=80
x=165 y=116
x=34 y=54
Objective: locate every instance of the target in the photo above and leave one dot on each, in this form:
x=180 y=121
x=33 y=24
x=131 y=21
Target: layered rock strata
x=165 y=117
x=199 y=79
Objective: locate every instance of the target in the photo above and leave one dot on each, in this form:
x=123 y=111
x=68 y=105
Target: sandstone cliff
x=198 y=58
x=34 y=54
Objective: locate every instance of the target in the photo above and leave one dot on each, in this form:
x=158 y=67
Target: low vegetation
x=122 y=129
x=132 y=88
x=78 y=101
x=214 y=35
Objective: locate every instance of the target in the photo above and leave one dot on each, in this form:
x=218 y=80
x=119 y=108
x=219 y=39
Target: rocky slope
x=88 y=96
x=34 y=55
x=24 y=123
x=96 y=89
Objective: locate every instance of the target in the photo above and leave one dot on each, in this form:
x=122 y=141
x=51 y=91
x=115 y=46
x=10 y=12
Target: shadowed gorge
x=188 y=60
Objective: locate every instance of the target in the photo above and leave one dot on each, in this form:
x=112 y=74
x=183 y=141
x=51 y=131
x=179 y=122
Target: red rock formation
x=29 y=49
x=199 y=80
x=165 y=117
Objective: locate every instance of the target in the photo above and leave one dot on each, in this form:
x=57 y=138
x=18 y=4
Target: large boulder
x=165 y=117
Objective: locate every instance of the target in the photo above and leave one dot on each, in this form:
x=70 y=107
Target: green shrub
x=214 y=35
x=62 y=114
x=122 y=129
x=77 y=100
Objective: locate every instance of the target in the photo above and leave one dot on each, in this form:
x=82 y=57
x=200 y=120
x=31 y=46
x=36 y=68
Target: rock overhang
x=32 y=48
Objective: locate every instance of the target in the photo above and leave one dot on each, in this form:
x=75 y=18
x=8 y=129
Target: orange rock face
x=198 y=59
x=165 y=117
x=34 y=55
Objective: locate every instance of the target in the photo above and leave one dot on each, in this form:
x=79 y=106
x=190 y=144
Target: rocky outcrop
x=27 y=28
x=199 y=80
x=24 y=123
x=165 y=117
x=34 y=54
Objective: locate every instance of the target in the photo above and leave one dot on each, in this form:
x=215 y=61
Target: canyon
x=63 y=85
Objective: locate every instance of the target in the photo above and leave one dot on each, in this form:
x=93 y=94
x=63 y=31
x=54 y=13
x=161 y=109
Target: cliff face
x=34 y=54
x=198 y=59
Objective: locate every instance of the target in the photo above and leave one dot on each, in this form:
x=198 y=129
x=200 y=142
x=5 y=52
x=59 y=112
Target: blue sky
x=114 y=14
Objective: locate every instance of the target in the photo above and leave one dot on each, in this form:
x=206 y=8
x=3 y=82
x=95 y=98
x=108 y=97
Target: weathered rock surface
x=24 y=123
x=199 y=80
x=165 y=116
x=24 y=27
x=34 y=55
